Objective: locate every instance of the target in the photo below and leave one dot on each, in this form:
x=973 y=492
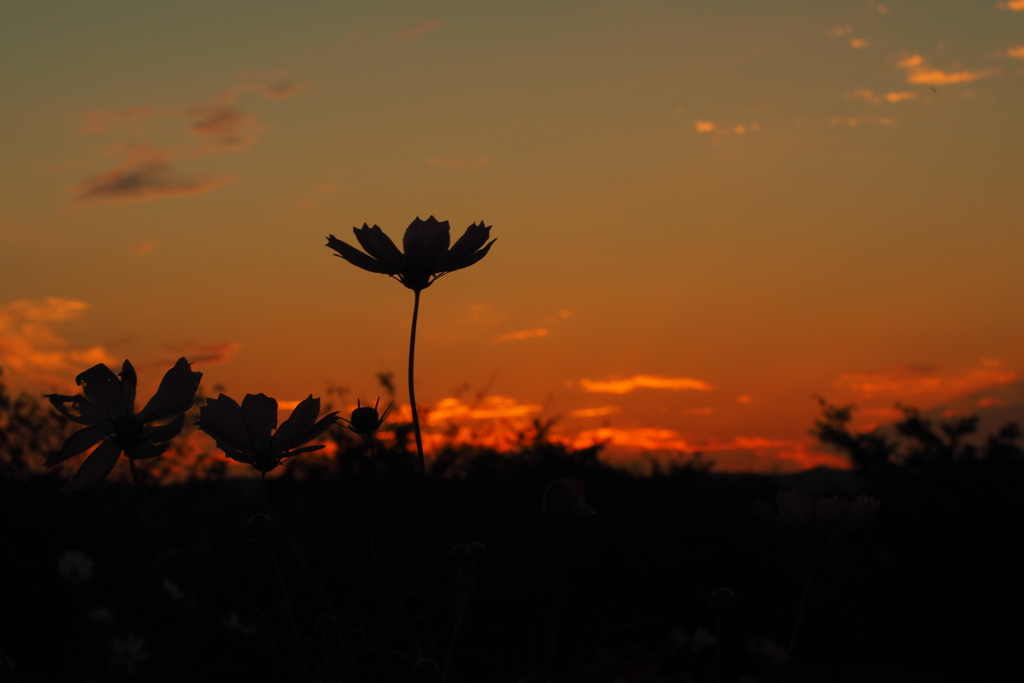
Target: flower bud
x=366 y=420
x=723 y=599
x=565 y=501
x=426 y=671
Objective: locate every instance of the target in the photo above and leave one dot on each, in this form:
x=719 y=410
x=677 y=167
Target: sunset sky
x=707 y=212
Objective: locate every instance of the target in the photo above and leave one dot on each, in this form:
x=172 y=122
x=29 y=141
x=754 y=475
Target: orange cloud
x=704 y=126
x=595 y=412
x=839 y=31
x=925 y=383
x=417 y=31
x=1016 y=52
x=854 y=121
x=145 y=175
x=1012 y=5
x=625 y=386
x=524 y=334
x=859 y=43
x=919 y=71
x=874 y=98
x=34 y=352
x=490 y=408
x=739 y=453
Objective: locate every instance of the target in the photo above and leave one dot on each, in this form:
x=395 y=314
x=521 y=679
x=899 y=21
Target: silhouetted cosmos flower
x=107 y=409
x=427 y=256
x=835 y=515
x=565 y=501
x=246 y=432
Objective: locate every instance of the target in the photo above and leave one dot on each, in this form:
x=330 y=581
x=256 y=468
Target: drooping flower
x=427 y=256
x=818 y=521
x=565 y=501
x=107 y=409
x=366 y=420
x=246 y=432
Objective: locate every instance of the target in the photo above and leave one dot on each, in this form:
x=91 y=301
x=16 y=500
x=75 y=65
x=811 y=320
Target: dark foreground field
x=927 y=591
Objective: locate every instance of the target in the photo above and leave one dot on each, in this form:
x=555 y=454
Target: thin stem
x=718 y=646
x=804 y=601
x=552 y=625
x=424 y=514
x=263 y=493
x=455 y=637
x=238 y=593
x=288 y=603
x=399 y=597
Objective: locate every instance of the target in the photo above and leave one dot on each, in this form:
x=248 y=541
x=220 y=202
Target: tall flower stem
x=399 y=597
x=234 y=589
x=804 y=601
x=551 y=628
x=424 y=510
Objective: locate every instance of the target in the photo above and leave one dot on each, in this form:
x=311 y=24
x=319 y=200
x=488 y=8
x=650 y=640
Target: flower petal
x=96 y=467
x=221 y=418
x=301 y=419
x=259 y=413
x=316 y=430
x=163 y=433
x=795 y=509
x=861 y=511
x=474 y=238
x=101 y=386
x=304 y=449
x=87 y=413
x=147 y=450
x=379 y=246
x=128 y=383
x=467 y=261
x=425 y=241
x=768 y=515
x=176 y=393
x=829 y=512
x=358 y=258
x=78 y=442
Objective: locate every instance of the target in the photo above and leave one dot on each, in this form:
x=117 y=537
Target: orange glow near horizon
x=706 y=218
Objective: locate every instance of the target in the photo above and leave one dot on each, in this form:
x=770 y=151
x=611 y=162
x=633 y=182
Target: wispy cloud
x=31 y=348
x=223 y=128
x=839 y=31
x=704 y=126
x=144 y=175
x=283 y=90
x=417 y=31
x=626 y=386
x=925 y=383
x=859 y=43
x=854 y=121
x=490 y=408
x=595 y=412
x=919 y=71
x=523 y=334
x=204 y=354
x=1016 y=52
x=877 y=98
x=1012 y=5
x=719 y=131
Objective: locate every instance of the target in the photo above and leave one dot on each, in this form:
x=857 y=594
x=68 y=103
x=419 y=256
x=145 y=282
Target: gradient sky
x=707 y=212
